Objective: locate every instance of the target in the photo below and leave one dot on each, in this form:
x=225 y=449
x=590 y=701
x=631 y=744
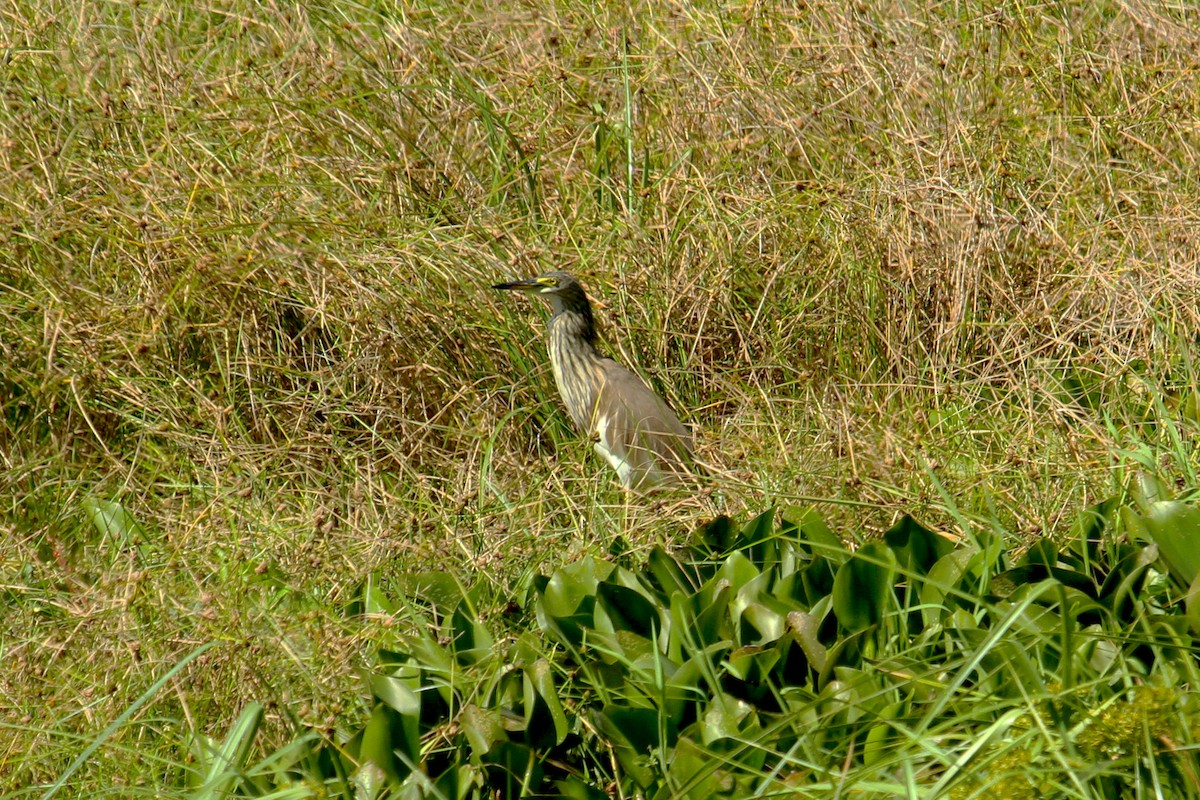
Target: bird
x=633 y=429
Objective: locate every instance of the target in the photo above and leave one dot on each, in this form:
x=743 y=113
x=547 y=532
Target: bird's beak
x=528 y=285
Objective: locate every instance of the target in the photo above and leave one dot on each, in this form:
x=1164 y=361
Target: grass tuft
x=887 y=257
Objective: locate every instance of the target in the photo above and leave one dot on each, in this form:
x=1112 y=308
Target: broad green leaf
x=482 y=727
x=717 y=536
x=402 y=723
x=576 y=789
x=1175 y=528
x=1192 y=606
x=667 y=574
x=632 y=732
x=1012 y=580
x=712 y=622
x=916 y=547
x=725 y=719
x=687 y=684
x=882 y=737
x=472 y=641
x=758 y=540
x=514 y=769
x=566 y=601
x=863 y=587
x=695 y=774
x=1147 y=489
x=376 y=748
x=440 y=589
x=752 y=664
x=542 y=695
x=457 y=783
x=627 y=609
x=737 y=570
x=1124 y=583
x=637 y=726
x=942 y=580
x=1089 y=527
x=806 y=627
x=372 y=599
x=815 y=532
x=229 y=760
x=767 y=624
x=569 y=586
x=1041 y=553
x=112 y=521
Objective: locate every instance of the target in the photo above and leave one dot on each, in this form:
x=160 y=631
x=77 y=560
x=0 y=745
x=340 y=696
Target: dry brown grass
x=245 y=254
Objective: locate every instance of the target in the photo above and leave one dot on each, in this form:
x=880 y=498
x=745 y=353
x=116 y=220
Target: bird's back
x=634 y=429
x=637 y=432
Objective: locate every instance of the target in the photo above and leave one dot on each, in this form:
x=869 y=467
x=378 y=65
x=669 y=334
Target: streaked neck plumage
x=573 y=353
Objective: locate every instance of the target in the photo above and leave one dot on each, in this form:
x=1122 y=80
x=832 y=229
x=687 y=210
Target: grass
x=887 y=257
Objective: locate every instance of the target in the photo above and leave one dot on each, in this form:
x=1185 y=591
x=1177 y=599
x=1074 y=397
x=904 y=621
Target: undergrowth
x=887 y=258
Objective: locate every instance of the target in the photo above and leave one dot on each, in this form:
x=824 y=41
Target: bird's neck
x=572 y=313
x=576 y=323
x=576 y=363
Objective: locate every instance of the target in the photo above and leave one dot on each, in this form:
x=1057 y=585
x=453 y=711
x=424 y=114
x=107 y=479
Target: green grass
x=886 y=257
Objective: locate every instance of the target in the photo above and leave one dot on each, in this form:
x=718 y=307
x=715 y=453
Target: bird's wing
x=638 y=427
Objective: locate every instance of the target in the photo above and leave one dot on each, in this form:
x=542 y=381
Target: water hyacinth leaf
x=569 y=585
x=483 y=728
x=1124 y=583
x=512 y=768
x=862 y=587
x=566 y=601
x=686 y=685
x=1175 y=528
x=372 y=600
x=441 y=590
x=403 y=722
x=456 y=783
x=576 y=789
x=916 y=547
x=758 y=539
x=541 y=699
x=1147 y=489
x=632 y=732
x=1192 y=606
x=815 y=532
x=112 y=521
x=1004 y=584
x=725 y=719
x=667 y=574
x=376 y=748
x=637 y=726
x=694 y=773
x=942 y=580
x=634 y=648
x=807 y=627
x=712 y=622
x=1042 y=553
x=1089 y=527
x=736 y=572
x=228 y=761
x=717 y=536
x=752 y=664
x=628 y=609
x=767 y=624
x=815 y=581
x=472 y=642
x=432 y=658
x=882 y=737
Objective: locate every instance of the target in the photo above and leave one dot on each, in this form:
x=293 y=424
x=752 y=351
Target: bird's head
x=550 y=283
x=564 y=294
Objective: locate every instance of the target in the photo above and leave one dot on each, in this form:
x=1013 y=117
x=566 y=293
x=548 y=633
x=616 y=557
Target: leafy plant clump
x=771 y=659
